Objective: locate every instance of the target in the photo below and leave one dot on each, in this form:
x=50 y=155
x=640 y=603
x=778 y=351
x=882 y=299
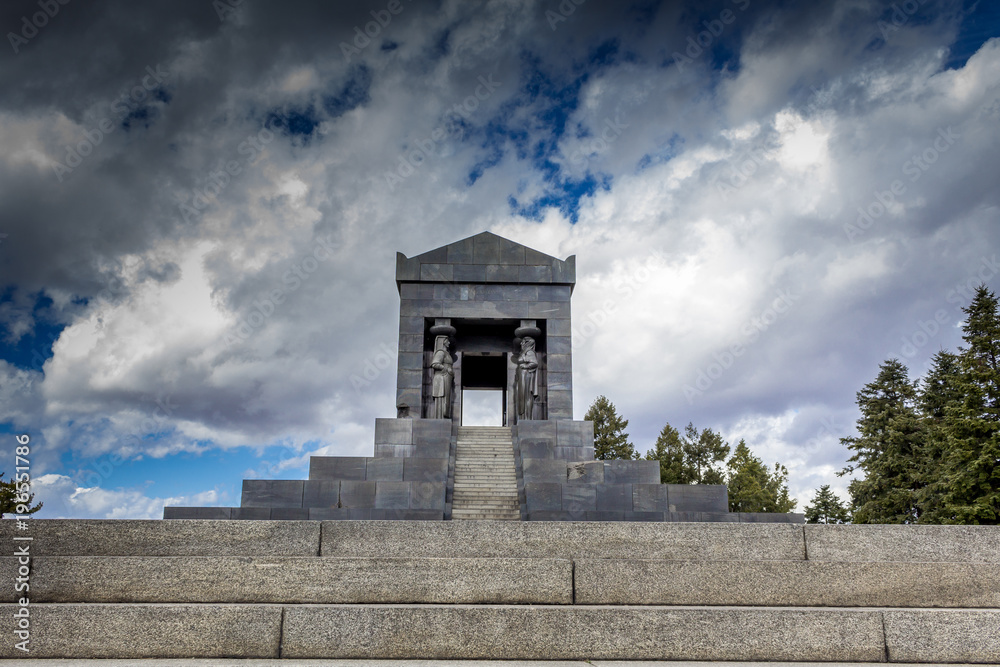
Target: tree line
x=927 y=450
x=696 y=457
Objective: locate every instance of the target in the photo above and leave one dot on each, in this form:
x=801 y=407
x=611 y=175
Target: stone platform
x=478 y=590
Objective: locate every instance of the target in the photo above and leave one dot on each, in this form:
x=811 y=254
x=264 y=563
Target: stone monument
x=483 y=313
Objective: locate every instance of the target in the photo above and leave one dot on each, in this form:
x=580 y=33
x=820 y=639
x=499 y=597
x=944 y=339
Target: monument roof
x=485 y=258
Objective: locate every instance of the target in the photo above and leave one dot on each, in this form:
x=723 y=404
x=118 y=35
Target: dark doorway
x=485 y=374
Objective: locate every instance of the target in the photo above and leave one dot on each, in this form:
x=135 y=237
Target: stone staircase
x=485 y=476
x=208 y=591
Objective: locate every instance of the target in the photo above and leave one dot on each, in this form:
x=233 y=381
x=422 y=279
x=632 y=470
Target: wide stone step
x=232 y=579
x=508 y=632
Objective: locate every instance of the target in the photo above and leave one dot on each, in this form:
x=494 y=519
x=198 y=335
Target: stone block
x=534 y=274
x=461 y=252
x=412 y=342
x=559 y=381
x=644 y=516
x=251 y=513
x=510 y=252
x=135 y=631
x=321 y=493
x=559 y=345
x=410 y=361
x=393 y=431
x=697 y=498
x=409 y=379
x=557 y=327
x=329 y=513
x=337 y=467
x=537 y=449
x=425 y=470
x=407 y=515
x=564 y=271
x=470 y=273
x=574 y=453
x=585 y=472
x=289 y=514
x=432 y=450
x=411 y=397
x=392 y=495
x=572 y=433
x=543 y=470
x=272 y=492
x=573 y=632
x=649 y=497
x=534 y=257
x=537 y=430
x=554 y=293
x=411 y=325
x=179 y=537
x=356 y=494
x=605 y=515
x=406 y=269
x=486 y=249
x=543 y=495
x=427 y=495
x=579 y=498
x=198 y=512
x=961 y=544
x=394 y=451
x=554 y=515
x=498 y=273
x=559 y=363
x=614 y=497
x=771 y=517
x=518 y=539
x=521 y=293
x=416 y=291
x=437 y=272
x=384 y=469
x=431 y=430
x=943 y=635
x=784 y=583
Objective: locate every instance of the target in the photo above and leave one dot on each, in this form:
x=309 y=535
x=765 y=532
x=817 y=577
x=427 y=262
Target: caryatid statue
x=526 y=379
x=444 y=376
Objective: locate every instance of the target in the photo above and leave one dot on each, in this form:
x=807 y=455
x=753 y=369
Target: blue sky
x=766 y=200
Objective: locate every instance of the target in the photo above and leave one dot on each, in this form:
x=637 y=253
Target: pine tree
x=971 y=488
x=702 y=453
x=887 y=450
x=669 y=451
x=940 y=392
x=826 y=507
x=10 y=498
x=752 y=488
x=610 y=438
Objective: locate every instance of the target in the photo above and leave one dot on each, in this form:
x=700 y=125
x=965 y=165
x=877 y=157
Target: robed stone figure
x=444 y=375
x=525 y=380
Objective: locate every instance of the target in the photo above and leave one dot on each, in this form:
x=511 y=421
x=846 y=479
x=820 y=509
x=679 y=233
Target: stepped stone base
x=476 y=590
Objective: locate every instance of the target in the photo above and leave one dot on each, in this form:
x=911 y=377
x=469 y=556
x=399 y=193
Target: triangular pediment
x=485 y=258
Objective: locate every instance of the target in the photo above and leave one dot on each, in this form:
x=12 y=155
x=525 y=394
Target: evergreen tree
x=610 y=438
x=940 y=391
x=10 y=498
x=826 y=507
x=702 y=453
x=669 y=451
x=752 y=488
x=887 y=450
x=971 y=487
